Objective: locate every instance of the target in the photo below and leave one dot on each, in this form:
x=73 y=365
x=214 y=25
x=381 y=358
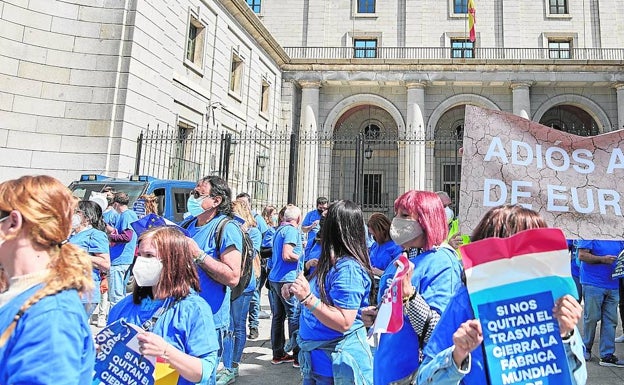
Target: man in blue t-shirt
x=287 y=264
x=312 y=220
x=600 y=296
x=123 y=243
x=219 y=266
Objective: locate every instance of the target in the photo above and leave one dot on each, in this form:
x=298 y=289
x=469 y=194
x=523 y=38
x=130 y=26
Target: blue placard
x=118 y=360
x=522 y=341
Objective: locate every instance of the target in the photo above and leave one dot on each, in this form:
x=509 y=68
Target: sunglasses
x=196 y=194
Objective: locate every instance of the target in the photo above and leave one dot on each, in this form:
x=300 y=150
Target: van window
x=180 y=197
x=160 y=200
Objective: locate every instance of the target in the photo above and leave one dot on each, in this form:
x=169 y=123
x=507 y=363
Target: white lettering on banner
x=559 y=198
x=616 y=160
x=555 y=158
x=530 y=374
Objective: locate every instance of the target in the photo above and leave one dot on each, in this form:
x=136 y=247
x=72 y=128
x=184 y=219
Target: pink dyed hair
x=431 y=217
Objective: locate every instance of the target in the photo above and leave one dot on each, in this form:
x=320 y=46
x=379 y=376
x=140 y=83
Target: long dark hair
x=93 y=214
x=343 y=236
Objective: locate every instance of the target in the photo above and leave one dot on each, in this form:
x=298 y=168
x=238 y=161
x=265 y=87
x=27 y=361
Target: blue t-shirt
x=216 y=294
x=110 y=217
x=261 y=223
x=123 y=253
x=51 y=343
x=94 y=241
x=314 y=253
x=599 y=274
x=187 y=325
x=575 y=264
x=310 y=217
x=283 y=271
x=348 y=287
x=437 y=275
x=382 y=255
x=256 y=238
x=458 y=311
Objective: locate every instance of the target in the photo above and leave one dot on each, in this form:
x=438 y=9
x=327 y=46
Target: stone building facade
x=81 y=79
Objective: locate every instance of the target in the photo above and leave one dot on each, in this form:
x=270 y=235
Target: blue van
x=171 y=194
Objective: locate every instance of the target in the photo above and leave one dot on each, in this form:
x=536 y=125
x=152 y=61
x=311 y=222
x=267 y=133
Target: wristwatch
x=200 y=257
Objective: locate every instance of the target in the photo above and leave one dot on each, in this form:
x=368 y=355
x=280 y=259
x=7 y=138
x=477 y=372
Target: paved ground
x=256 y=368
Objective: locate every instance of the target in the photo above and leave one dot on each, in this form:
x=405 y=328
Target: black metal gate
x=273 y=166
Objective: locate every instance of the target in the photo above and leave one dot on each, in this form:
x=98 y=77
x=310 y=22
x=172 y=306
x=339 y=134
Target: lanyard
x=149 y=324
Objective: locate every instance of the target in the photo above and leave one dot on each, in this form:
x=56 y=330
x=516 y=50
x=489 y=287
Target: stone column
x=619 y=89
x=521 y=99
x=412 y=154
x=308 y=165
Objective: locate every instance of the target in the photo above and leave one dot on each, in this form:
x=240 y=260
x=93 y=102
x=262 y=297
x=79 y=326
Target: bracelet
x=318 y=302
x=306 y=297
x=200 y=258
x=165 y=356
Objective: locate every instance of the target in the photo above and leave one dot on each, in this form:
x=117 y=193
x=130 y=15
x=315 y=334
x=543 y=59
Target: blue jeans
x=317 y=379
x=283 y=309
x=600 y=305
x=235 y=340
x=222 y=334
x=117 y=283
x=254 y=306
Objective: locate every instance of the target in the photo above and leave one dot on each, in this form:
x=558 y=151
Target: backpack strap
x=219 y=235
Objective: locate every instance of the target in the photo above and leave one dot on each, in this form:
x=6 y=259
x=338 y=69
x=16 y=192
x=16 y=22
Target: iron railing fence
x=447 y=53
x=281 y=167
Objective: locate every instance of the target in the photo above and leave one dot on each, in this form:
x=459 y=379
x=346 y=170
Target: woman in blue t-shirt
x=419 y=223
x=44 y=334
x=178 y=322
x=384 y=250
x=89 y=234
x=332 y=336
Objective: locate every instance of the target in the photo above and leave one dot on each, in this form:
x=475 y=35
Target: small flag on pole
x=390 y=315
x=471 y=20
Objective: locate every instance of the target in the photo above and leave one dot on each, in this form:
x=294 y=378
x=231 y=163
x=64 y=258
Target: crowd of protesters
x=65 y=261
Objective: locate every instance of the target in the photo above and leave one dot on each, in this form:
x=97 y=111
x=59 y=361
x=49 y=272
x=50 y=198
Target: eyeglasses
x=196 y=194
x=3 y=219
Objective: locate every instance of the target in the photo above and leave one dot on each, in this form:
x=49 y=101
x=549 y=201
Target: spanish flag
x=471 y=20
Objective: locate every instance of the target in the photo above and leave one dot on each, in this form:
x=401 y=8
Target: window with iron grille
x=460 y=6
x=559 y=49
x=559 y=7
x=372 y=190
x=254 y=5
x=366 y=6
x=365 y=48
x=462 y=48
x=451 y=177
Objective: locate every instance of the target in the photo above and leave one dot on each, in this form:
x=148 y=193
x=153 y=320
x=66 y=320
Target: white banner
x=574 y=182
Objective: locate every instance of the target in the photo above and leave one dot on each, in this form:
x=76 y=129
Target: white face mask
x=76 y=221
x=450 y=215
x=404 y=230
x=147 y=271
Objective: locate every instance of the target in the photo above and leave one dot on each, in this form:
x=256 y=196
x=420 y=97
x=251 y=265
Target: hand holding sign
x=467 y=338
x=568 y=312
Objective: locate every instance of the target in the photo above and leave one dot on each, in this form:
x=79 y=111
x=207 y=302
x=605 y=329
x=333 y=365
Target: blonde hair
x=47 y=207
x=241 y=209
x=151 y=204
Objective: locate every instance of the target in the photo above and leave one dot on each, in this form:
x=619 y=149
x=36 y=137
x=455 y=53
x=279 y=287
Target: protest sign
x=390 y=314
x=513 y=284
x=118 y=360
x=572 y=181
x=618 y=271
